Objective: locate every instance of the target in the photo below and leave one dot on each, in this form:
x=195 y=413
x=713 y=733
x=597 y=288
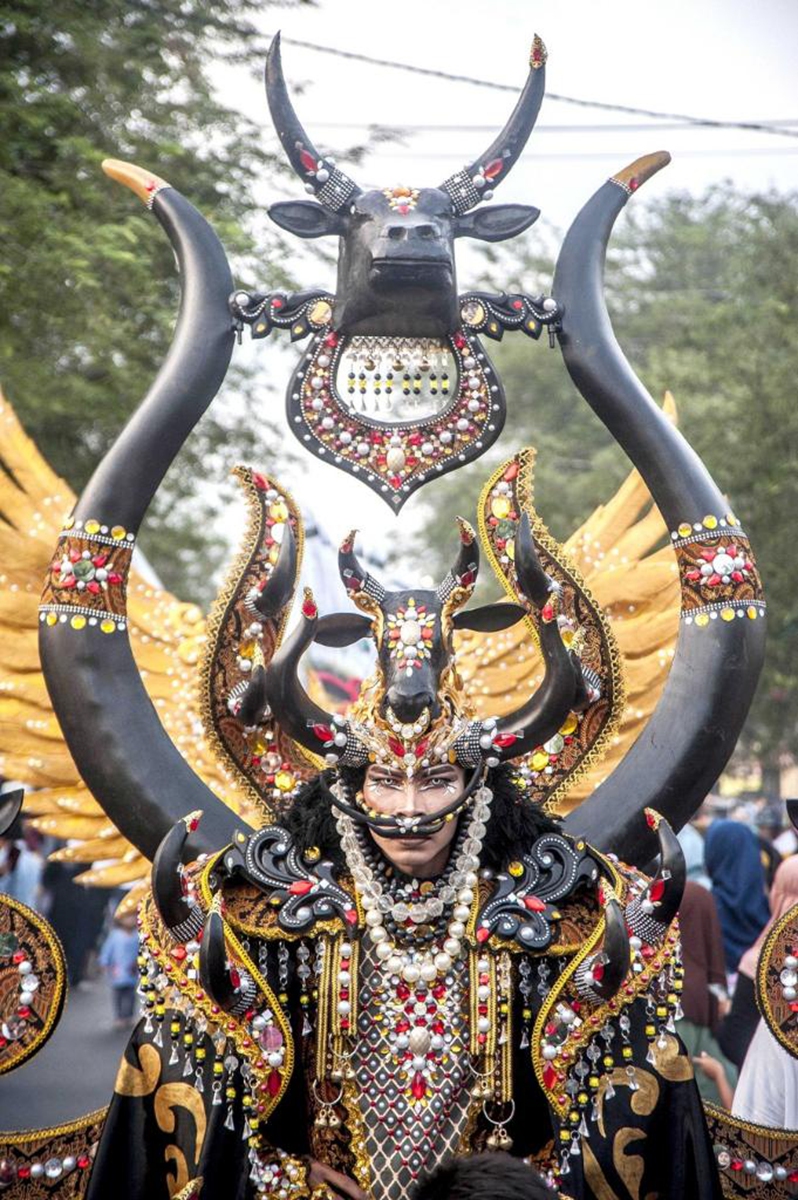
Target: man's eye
x=387 y=783
x=437 y=785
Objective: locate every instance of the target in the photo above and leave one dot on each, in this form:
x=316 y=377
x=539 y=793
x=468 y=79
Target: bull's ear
x=496 y=222
x=305 y=218
x=342 y=629
x=490 y=618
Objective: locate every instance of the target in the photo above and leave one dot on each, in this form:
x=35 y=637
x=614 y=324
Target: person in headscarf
x=738 y=885
x=704 y=985
x=737 y=1030
x=692 y=844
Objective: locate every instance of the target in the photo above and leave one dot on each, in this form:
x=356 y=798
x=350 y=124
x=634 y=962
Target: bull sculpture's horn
x=667 y=887
x=279 y=589
x=468 y=187
x=600 y=976
x=355 y=577
x=334 y=189
x=545 y=711
x=10 y=805
x=688 y=740
x=112 y=729
x=463 y=574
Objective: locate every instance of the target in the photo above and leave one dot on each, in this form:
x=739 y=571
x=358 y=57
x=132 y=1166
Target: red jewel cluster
x=721 y=565
x=51 y=1170
x=421 y=448
x=84 y=568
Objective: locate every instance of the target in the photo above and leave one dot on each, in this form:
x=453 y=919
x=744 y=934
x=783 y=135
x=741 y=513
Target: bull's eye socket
x=396 y=234
x=426 y=232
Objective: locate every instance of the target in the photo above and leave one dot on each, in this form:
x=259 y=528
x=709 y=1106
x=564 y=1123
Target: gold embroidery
x=179 y=1181
x=643 y=1101
x=670 y=1064
x=181 y=1095
x=135 y=1081
x=630 y=1168
x=594 y=1176
x=192 y=1189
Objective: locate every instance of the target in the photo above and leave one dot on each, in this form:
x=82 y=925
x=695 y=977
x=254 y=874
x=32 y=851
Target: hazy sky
x=722 y=59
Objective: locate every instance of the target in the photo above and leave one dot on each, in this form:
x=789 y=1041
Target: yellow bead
x=92 y=527
x=684 y=530
x=69 y=522
x=284 y=781
x=78 y=622
x=51 y=618
x=727 y=614
x=118 y=532
x=516 y=869
x=279 y=510
x=500 y=507
x=702 y=619
x=539 y=760
x=321 y=313
x=570 y=723
x=107 y=626
x=751 y=613
x=710 y=522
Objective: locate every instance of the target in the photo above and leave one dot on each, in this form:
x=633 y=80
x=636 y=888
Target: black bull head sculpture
x=413 y=634
x=396 y=272
x=111 y=726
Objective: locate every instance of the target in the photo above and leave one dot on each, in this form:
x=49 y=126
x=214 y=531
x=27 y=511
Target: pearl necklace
x=415 y=964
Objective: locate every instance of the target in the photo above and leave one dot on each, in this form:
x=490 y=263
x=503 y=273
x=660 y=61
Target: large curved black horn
x=471 y=184
x=355 y=577
x=687 y=742
x=334 y=189
x=182 y=918
x=543 y=714
x=300 y=717
x=110 y=725
x=463 y=574
x=233 y=991
x=10 y=805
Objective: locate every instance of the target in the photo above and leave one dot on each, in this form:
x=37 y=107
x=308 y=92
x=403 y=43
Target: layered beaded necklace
x=409 y=906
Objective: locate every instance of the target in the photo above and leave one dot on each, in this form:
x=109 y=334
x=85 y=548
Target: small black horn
x=233 y=992
x=667 y=887
x=355 y=577
x=182 y=918
x=280 y=585
x=334 y=189
x=469 y=185
x=463 y=573
x=600 y=976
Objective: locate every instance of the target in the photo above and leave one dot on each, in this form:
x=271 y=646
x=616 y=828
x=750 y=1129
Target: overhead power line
x=411 y=68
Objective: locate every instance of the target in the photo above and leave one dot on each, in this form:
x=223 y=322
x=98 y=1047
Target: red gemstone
x=404 y=209
x=657 y=890
x=300 y=887
x=467 y=578
x=179 y=953
x=309 y=609
x=74 y=555
x=235 y=978
x=737 y=576
x=396 y=747
x=459 y=341
x=93 y=587
x=395 y=481
x=517 y=304
x=273 y=1082
x=18 y=957
x=511 y=472
x=549 y=1077
x=534 y=903
x=714 y=580
x=439 y=991
x=547 y=612
x=402 y=991
x=260 y=483
x=483 y=934
x=494 y=168
x=415 y=439
x=23 y=1172
x=419 y=1086
x=503 y=740
x=634 y=184
x=651 y=820
x=351 y=916
x=597 y=972
x=84 y=1161
x=277 y=302
x=323 y=733
x=308 y=161
x=693 y=576
x=402 y=1026
x=100 y=560
x=114 y=577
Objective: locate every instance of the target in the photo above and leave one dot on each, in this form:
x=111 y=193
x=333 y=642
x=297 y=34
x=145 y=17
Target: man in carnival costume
x=404 y=960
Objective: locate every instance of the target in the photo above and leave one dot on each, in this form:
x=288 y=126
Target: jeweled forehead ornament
x=413 y=713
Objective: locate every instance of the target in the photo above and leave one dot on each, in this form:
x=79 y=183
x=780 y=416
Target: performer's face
x=427 y=793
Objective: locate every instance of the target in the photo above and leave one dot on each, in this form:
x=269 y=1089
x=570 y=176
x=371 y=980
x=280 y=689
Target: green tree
x=87 y=282
x=703 y=295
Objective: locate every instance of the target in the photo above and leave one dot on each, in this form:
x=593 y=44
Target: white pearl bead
x=457 y=929
x=471 y=880
x=374 y=917
x=410 y=972
x=378 y=934
x=275 y=1060
x=344 y=1007
x=344 y=978
x=452 y=947
x=549 y=1052
x=466 y=897
x=483 y=992
x=428 y=971
x=443 y=962
x=394 y=964
x=383 y=951
x=419 y=1063
x=461 y=912
x=346 y=949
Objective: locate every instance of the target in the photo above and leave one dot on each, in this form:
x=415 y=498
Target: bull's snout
x=408 y=706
